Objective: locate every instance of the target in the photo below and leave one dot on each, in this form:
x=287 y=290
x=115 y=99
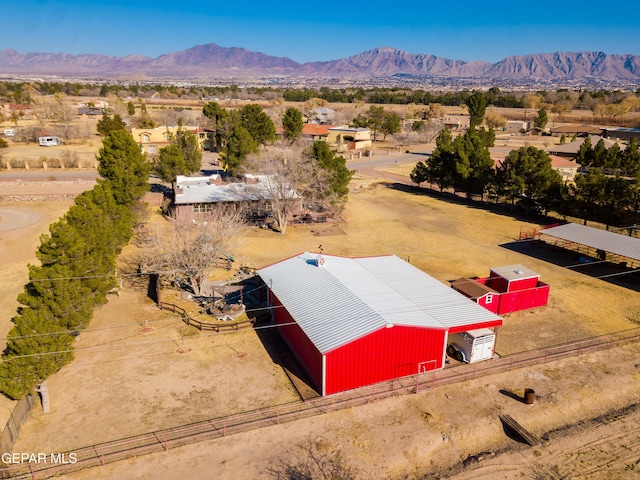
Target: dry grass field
x=139 y=369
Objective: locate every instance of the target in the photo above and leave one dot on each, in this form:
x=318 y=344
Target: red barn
x=353 y=322
x=507 y=289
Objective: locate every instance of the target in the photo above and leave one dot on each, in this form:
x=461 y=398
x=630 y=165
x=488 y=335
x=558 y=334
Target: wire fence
x=168 y=439
x=18 y=416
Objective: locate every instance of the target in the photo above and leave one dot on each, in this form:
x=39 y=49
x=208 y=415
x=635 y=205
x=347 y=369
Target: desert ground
x=140 y=369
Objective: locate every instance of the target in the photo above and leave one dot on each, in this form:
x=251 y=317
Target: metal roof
x=472 y=288
x=199 y=190
x=515 y=272
x=615 y=243
x=348 y=298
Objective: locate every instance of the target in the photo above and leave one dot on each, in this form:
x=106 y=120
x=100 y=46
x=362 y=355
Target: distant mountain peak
x=212 y=60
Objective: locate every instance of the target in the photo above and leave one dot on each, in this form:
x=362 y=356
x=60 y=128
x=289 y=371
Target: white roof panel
x=615 y=243
x=347 y=298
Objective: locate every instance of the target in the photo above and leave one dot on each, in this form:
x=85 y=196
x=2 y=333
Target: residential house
x=577 y=130
x=322 y=116
x=570 y=150
x=568 y=169
x=151 y=140
x=193 y=195
x=517 y=126
x=91 y=112
x=457 y=121
x=345 y=138
x=310 y=131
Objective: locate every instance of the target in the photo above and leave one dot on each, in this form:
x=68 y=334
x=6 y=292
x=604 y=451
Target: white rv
x=472 y=346
x=9 y=132
x=49 y=141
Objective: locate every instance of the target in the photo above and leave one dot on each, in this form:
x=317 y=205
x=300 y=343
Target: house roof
x=315 y=129
x=583 y=129
x=193 y=190
x=348 y=298
x=615 y=243
x=515 y=272
x=563 y=162
x=573 y=147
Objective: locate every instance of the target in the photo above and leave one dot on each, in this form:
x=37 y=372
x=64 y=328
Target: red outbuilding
x=506 y=289
x=353 y=322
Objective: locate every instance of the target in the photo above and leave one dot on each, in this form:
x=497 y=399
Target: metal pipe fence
x=165 y=440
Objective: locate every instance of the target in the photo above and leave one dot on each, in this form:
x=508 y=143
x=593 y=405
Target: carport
x=594 y=243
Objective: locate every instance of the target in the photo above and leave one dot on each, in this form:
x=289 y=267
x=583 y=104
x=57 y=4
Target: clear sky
x=313 y=30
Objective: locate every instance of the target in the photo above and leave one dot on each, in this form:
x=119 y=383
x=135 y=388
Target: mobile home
x=49 y=141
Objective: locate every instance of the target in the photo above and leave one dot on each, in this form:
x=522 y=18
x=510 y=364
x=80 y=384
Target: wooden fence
x=216 y=327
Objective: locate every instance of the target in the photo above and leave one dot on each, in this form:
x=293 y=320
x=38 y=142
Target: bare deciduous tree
x=289 y=179
x=191 y=247
x=313 y=461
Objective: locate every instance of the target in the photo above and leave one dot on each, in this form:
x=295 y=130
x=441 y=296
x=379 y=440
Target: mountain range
x=212 y=60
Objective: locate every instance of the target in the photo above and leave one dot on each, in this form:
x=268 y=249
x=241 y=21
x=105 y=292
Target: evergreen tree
x=477 y=104
x=258 y=124
x=191 y=152
x=170 y=163
x=528 y=173
x=584 y=156
x=474 y=169
x=122 y=164
x=630 y=158
x=239 y=145
x=441 y=164
x=588 y=190
x=419 y=174
x=541 y=119
x=292 y=124
x=336 y=167
x=108 y=124
x=77 y=266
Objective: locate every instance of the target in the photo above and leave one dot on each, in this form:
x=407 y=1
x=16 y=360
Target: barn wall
x=493 y=306
x=523 y=299
x=523 y=284
x=383 y=355
x=499 y=284
x=305 y=351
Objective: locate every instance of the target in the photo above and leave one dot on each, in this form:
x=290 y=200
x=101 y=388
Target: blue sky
x=315 y=31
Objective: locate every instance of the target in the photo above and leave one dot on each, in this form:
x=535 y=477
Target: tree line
x=606 y=190
x=77 y=268
x=560 y=100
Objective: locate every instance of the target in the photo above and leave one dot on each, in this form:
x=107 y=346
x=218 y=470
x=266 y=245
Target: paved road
x=379 y=161
x=37 y=175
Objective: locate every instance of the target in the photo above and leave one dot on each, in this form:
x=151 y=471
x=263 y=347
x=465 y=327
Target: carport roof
x=347 y=298
x=615 y=243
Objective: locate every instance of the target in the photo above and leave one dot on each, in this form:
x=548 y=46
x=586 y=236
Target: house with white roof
x=193 y=195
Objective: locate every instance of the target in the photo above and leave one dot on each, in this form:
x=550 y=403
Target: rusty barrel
x=529 y=396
